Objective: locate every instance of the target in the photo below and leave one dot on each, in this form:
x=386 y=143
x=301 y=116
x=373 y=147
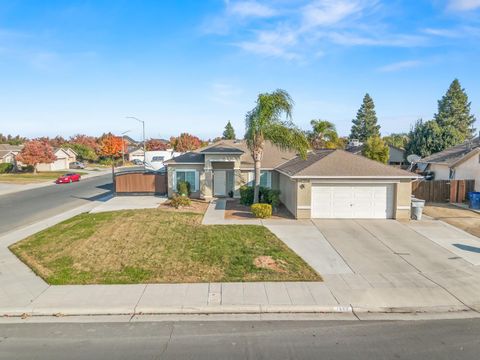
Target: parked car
x=68 y=178
x=76 y=165
x=137 y=162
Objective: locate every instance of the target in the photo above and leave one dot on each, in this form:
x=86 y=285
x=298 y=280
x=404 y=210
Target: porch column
x=237 y=182
x=207 y=189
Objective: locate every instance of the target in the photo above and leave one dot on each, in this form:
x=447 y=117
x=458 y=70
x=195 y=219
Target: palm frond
x=286 y=136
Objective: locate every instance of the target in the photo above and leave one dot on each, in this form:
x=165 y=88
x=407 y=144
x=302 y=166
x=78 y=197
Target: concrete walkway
x=389 y=280
x=129 y=203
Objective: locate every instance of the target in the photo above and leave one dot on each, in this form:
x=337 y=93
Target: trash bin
x=474 y=200
x=417 y=208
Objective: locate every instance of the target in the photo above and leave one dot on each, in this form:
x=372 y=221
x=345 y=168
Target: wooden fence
x=454 y=191
x=140 y=183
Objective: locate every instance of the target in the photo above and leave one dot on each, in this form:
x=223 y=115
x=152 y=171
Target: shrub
x=6 y=168
x=272 y=197
x=180 y=201
x=183 y=188
x=261 y=211
x=246 y=195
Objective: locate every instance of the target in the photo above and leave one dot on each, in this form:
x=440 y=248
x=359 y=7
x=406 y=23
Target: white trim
x=403 y=207
x=185 y=163
x=261 y=169
x=304 y=207
x=197 y=179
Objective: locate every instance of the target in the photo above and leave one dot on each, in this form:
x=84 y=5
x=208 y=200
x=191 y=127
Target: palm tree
x=324 y=135
x=264 y=122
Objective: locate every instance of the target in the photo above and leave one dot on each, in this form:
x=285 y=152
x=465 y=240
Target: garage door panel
x=354 y=201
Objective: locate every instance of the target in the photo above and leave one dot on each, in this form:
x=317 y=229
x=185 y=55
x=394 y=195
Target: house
x=327 y=184
x=135 y=154
x=396 y=155
x=460 y=162
x=154 y=160
x=9 y=152
x=64 y=157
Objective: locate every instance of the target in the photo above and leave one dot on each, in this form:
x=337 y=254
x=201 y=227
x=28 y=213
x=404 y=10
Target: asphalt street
x=425 y=340
x=25 y=207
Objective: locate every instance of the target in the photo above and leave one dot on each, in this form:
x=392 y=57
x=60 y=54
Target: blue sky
x=71 y=67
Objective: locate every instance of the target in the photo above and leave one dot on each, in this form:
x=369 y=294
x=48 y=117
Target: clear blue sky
x=71 y=67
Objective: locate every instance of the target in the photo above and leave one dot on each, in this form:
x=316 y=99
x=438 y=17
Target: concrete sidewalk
x=7 y=188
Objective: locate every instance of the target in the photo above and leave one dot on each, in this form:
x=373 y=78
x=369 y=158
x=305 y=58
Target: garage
x=352 y=201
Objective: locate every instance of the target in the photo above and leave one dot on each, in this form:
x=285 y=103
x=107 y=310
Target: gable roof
x=340 y=163
x=11 y=147
x=454 y=154
x=187 y=158
x=221 y=149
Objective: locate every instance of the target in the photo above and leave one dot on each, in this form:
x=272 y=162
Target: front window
x=188 y=176
x=265 y=179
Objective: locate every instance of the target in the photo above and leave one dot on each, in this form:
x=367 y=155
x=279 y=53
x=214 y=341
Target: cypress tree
x=229 y=132
x=365 y=124
x=454 y=112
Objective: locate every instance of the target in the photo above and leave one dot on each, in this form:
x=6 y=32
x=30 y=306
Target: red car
x=68 y=178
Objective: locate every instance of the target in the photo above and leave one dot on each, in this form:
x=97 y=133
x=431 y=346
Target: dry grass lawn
x=464 y=219
x=157 y=246
x=30 y=178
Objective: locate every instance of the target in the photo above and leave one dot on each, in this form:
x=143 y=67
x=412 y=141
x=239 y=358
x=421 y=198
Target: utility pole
x=123 y=146
x=143 y=125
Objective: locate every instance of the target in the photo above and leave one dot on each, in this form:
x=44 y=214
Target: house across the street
x=327 y=184
x=64 y=157
x=396 y=155
x=9 y=152
x=460 y=162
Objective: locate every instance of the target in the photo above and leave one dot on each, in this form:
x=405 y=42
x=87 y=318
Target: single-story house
x=396 y=155
x=327 y=184
x=64 y=157
x=135 y=154
x=154 y=160
x=460 y=162
x=9 y=152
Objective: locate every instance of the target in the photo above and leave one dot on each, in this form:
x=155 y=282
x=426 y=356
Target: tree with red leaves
x=85 y=140
x=111 y=146
x=36 y=152
x=186 y=142
x=156 y=145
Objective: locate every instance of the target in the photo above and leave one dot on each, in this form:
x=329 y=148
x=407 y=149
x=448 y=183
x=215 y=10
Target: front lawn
x=158 y=246
x=30 y=178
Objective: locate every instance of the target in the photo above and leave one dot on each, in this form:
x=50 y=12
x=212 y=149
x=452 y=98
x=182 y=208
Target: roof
x=4 y=153
x=454 y=154
x=340 y=163
x=11 y=147
x=221 y=149
x=358 y=149
x=272 y=156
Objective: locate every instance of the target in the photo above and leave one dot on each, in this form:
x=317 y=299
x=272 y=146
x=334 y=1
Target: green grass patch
x=157 y=246
x=29 y=178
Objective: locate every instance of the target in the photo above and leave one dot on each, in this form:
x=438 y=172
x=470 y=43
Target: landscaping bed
x=237 y=211
x=30 y=178
x=158 y=246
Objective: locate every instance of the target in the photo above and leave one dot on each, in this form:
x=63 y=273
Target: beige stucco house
x=64 y=156
x=327 y=184
x=460 y=162
x=9 y=152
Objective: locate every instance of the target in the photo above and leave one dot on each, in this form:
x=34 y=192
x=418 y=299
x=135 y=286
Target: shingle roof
x=11 y=147
x=454 y=154
x=340 y=163
x=187 y=158
x=221 y=148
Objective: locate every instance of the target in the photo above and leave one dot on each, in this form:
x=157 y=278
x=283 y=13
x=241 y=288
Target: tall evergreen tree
x=454 y=111
x=365 y=124
x=229 y=132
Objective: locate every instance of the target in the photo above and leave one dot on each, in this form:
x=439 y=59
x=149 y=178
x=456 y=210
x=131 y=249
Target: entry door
x=219 y=183
x=352 y=201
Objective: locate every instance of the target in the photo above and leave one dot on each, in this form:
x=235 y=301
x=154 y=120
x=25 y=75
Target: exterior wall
x=275 y=180
x=402 y=196
x=207 y=189
x=201 y=173
x=442 y=172
x=138 y=154
x=396 y=155
x=288 y=192
x=304 y=199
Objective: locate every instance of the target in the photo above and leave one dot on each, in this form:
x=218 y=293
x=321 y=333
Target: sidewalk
x=22 y=293
x=7 y=188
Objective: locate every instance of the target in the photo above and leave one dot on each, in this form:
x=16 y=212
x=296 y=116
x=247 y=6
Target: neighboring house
x=154 y=160
x=328 y=184
x=396 y=155
x=460 y=162
x=9 y=152
x=135 y=154
x=64 y=157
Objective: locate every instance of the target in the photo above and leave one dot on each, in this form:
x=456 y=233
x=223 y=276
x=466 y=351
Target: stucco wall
x=469 y=169
x=201 y=173
x=442 y=172
x=304 y=199
x=288 y=192
x=403 y=196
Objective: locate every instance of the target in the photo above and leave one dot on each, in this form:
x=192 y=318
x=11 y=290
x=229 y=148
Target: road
x=25 y=207
x=425 y=340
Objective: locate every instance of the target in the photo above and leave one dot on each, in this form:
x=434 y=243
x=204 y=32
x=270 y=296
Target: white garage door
x=352 y=201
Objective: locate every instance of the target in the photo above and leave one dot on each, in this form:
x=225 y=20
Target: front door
x=219 y=183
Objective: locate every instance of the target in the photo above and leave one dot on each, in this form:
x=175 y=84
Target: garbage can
x=417 y=208
x=474 y=200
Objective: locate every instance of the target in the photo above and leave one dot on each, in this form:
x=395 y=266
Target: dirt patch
x=267 y=262
x=237 y=211
x=464 y=219
x=196 y=206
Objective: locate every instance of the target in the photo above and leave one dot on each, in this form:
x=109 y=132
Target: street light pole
x=143 y=125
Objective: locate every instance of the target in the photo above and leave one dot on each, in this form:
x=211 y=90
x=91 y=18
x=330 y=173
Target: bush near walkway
x=157 y=246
